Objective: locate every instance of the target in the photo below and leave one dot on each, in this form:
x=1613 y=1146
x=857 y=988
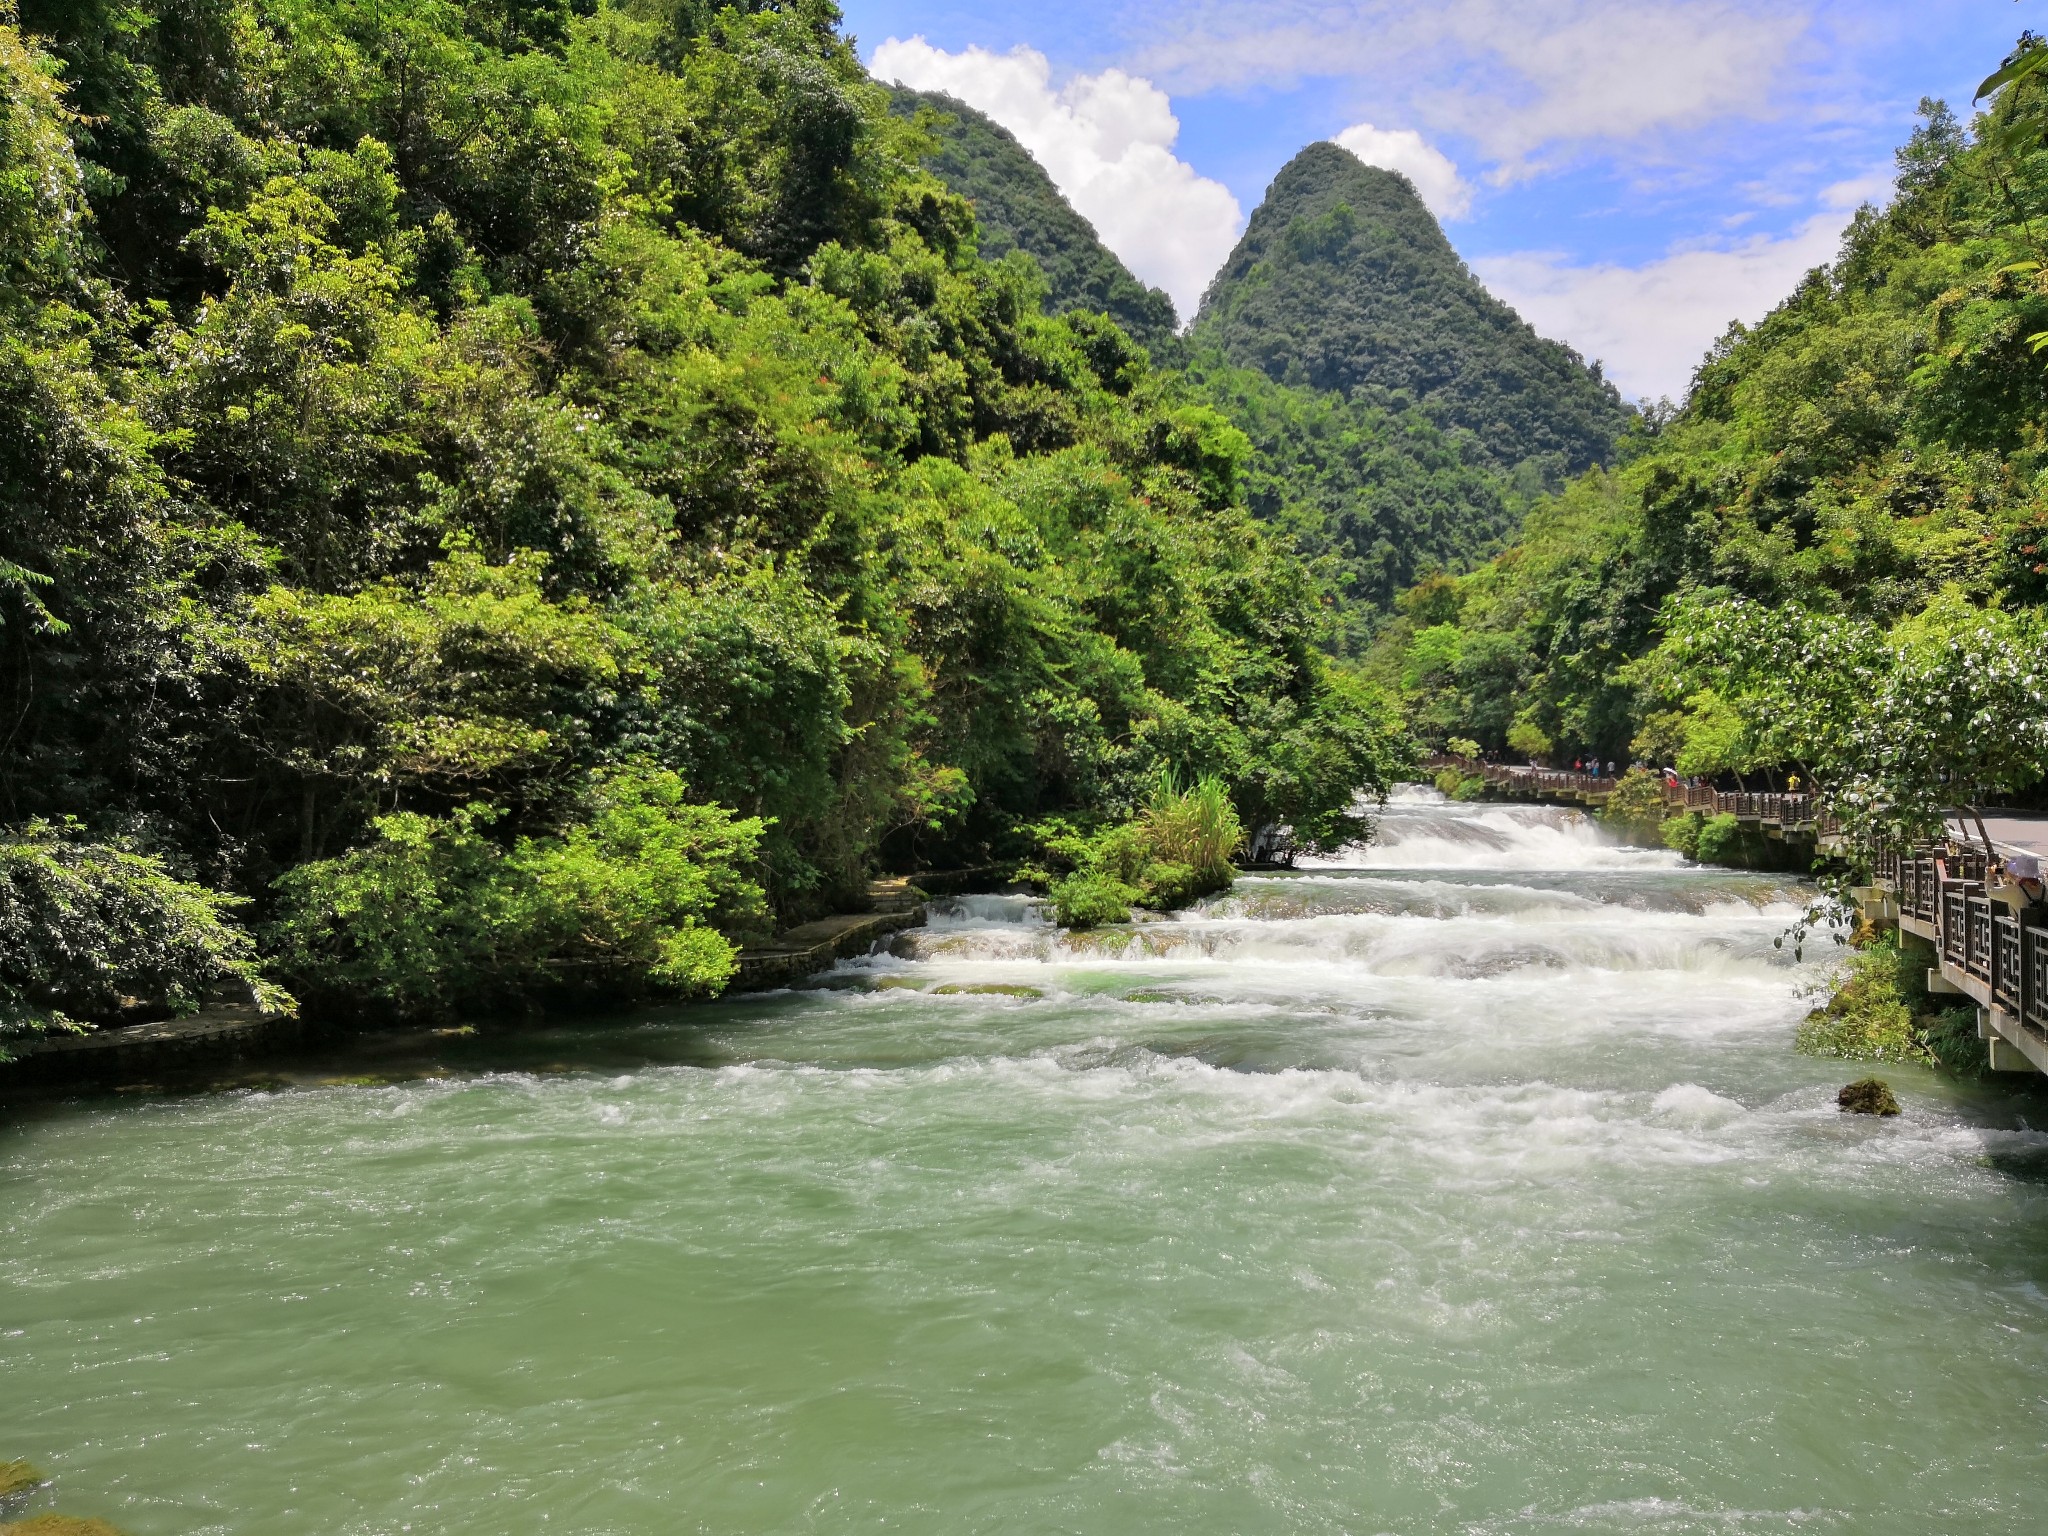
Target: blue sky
x=1632 y=174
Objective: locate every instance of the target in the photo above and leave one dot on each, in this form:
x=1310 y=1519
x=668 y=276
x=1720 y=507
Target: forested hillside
x=1372 y=491
x=505 y=498
x=1343 y=281
x=1017 y=207
x=1834 y=560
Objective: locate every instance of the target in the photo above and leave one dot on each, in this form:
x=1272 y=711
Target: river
x=1469 y=1185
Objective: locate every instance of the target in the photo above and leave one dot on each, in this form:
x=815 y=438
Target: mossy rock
x=1186 y=999
x=1868 y=1096
x=18 y=1477
x=898 y=984
x=988 y=989
x=59 y=1525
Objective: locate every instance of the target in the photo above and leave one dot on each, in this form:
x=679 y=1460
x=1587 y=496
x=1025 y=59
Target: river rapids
x=1468 y=1184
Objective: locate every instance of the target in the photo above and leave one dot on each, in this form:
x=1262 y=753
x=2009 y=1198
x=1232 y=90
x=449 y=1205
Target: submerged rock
x=1868 y=1096
x=59 y=1525
x=18 y=1477
x=986 y=989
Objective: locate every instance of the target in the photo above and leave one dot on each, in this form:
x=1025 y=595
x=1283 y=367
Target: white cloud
x=1527 y=80
x=1435 y=175
x=1652 y=324
x=1107 y=142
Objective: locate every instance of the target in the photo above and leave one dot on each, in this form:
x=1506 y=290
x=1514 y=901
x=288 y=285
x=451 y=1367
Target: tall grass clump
x=1177 y=850
x=1881 y=1011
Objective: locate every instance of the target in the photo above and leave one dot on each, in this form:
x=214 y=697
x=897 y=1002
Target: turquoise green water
x=1480 y=1196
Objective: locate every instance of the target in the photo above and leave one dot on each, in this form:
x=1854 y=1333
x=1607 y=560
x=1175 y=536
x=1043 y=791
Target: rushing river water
x=1468 y=1186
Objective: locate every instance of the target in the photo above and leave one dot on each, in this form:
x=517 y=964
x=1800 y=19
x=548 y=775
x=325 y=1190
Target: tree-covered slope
x=505 y=500
x=1343 y=281
x=1835 y=547
x=1372 y=491
x=1373 y=496
x=1017 y=207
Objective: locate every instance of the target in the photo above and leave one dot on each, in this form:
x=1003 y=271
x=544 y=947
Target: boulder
x=1868 y=1096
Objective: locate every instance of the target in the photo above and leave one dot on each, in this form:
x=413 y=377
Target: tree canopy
x=467 y=464
x=1833 y=559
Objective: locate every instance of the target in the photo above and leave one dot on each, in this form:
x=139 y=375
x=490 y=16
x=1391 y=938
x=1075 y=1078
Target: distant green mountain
x=1019 y=208
x=1374 y=490
x=1344 y=281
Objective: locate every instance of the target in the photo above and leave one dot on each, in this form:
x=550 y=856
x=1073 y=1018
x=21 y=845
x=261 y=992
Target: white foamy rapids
x=987 y=912
x=1557 y=935
x=1420 y=829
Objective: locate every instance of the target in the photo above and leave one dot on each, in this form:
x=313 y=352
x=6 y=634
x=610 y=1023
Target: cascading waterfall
x=1464 y=1183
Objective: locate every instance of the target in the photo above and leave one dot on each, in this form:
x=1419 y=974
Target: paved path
x=2014 y=831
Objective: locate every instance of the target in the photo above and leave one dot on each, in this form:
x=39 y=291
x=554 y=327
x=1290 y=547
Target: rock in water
x=1868 y=1096
x=18 y=1477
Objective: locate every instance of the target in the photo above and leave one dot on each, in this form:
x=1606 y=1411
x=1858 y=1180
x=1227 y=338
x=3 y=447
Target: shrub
x=1197 y=827
x=91 y=931
x=1637 y=800
x=437 y=915
x=1089 y=898
x=1880 y=1011
x=1682 y=832
x=1720 y=840
x=1867 y=1019
x=1177 y=851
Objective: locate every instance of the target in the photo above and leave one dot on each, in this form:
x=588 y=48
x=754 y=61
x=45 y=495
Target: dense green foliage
x=1880 y=1010
x=96 y=931
x=432 y=915
x=1830 y=563
x=1176 y=850
x=1372 y=495
x=1344 y=282
x=419 y=421
x=1017 y=208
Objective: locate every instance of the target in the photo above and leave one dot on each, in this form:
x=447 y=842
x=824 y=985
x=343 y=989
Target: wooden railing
x=1976 y=934
x=1792 y=810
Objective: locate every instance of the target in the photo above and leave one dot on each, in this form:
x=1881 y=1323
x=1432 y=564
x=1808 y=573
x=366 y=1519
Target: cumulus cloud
x=1651 y=324
x=1435 y=176
x=1107 y=142
x=1527 y=80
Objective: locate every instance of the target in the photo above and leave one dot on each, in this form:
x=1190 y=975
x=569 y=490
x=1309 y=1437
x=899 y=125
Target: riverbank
x=230 y=1044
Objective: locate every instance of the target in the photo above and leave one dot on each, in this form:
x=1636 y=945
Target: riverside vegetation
x=1831 y=562
x=507 y=500
x=1830 y=565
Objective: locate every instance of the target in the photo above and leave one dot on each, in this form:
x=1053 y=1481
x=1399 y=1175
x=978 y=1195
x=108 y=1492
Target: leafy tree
x=434 y=916
x=92 y=931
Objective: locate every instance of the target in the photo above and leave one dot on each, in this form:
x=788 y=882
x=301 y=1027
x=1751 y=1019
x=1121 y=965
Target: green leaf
x=2014 y=70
